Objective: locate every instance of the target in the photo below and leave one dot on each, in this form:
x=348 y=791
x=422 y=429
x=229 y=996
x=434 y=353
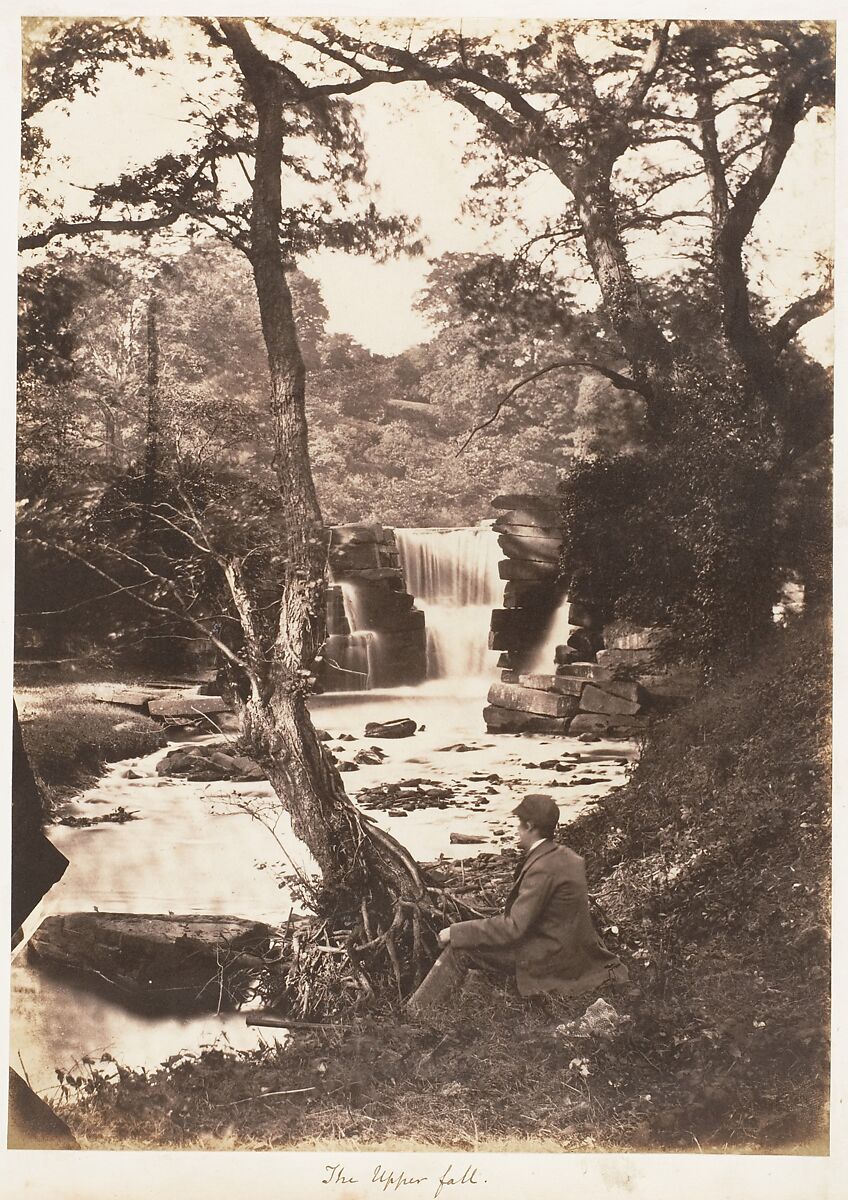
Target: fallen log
x=175 y=962
x=276 y=1021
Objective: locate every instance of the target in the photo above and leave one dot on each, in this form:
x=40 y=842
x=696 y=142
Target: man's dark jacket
x=546 y=928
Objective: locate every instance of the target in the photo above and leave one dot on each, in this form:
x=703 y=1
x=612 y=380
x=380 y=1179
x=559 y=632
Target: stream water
x=198 y=847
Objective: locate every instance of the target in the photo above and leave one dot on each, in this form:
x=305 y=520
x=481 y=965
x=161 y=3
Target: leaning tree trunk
x=153 y=431
x=360 y=863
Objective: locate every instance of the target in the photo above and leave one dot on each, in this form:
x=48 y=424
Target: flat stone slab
x=511 y=720
x=525 y=525
x=522 y=546
x=583 y=670
x=187 y=706
x=524 y=699
x=128 y=697
x=563 y=684
x=177 y=962
x=594 y=700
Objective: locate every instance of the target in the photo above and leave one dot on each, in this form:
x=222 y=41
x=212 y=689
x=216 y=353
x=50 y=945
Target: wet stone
x=400 y=728
x=206 y=764
x=369 y=758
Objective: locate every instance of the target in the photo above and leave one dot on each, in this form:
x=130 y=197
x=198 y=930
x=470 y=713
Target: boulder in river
x=369 y=758
x=401 y=727
x=209 y=763
x=532 y=700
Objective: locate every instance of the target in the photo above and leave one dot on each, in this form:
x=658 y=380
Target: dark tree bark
x=153 y=431
x=356 y=858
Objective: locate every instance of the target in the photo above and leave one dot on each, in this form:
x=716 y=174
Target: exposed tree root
x=342 y=961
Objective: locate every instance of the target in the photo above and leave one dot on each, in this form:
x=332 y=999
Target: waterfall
x=556 y=634
x=362 y=648
x=453 y=575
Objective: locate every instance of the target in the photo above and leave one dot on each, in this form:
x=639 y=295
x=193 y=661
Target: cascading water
x=363 y=644
x=555 y=635
x=453 y=575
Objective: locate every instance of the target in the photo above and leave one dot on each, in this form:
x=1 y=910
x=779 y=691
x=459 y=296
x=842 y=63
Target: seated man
x=545 y=936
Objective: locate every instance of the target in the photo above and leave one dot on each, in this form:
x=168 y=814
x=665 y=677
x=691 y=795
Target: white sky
x=415 y=142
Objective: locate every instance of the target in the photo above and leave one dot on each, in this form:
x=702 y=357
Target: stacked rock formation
x=529 y=537
x=631 y=680
x=388 y=646
x=607 y=678
x=614 y=695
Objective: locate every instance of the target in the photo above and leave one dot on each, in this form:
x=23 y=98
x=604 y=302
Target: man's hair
x=544 y=829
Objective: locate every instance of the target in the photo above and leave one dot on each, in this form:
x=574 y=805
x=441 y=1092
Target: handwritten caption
x=385 y=1180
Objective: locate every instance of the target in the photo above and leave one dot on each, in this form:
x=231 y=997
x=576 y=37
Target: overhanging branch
x=623 y=382
x=152 y=577
x=34 y=241
x=799 y=314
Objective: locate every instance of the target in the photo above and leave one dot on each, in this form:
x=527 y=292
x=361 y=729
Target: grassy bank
x=69 y=737
x=711 y=873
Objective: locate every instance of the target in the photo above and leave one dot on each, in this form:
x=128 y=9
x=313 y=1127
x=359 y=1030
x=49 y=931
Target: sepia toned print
x=422 y=582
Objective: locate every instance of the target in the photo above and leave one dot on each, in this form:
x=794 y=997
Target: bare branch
x=34 y=241
x=622 y=382
x=709 y=149
x=804 y=310
x=779 y=137
x=157 y=608
x=641 y=84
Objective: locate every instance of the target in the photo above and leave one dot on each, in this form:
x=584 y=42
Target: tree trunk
x=644 y=345
x=355 y=857
x=154 y=417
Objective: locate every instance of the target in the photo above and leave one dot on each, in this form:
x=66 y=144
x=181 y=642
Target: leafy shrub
x=682 y=532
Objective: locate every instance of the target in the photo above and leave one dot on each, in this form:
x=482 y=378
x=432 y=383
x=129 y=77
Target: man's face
x=526 y=835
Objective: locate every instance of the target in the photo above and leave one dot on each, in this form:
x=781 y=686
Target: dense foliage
x=385 y=433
